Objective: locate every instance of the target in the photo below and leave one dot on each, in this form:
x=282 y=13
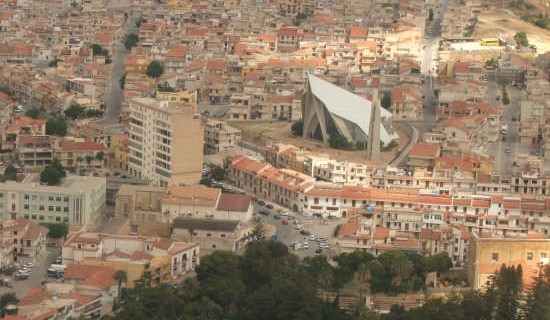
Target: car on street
x=298 y=227
x=305 y=233
x=29 y=264
x=507 y=150
x=284 y=213
x=318 y=251
x=285 y=222
x=264 y=212
x=269 y=206
x=261 y=203
x=21 y=276
x=306 y=245
x=277 y=216
x=324 y=245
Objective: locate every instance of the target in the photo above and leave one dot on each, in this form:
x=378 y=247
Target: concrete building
x=165 y=258
x=329 y=109
x=219 y=137
x=211 y=234
x=28 y=239
x=488 y=251
x=77 y=200
x=154 y=152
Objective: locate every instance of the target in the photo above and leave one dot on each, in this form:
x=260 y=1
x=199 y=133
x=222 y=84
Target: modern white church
x=327 y=108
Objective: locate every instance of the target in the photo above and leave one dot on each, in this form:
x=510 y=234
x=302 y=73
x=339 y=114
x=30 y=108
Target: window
x=26 y=197
x=58 y=218
x=543 y=255
x=529 y=255
x=50 y=198
x=222 y=235
x=41 y=207
x=494 y=256
x=26 y=206
x=208 y=234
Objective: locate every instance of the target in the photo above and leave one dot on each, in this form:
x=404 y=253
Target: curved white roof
x=348 y=106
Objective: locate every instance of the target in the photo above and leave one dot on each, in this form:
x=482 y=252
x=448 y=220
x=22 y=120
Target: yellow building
x=490 y=42
x=183 y=98
x=487 y=252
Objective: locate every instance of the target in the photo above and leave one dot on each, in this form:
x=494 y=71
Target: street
x=113 y=96
x=504 y=161
x=288 y=233
x=38 y=274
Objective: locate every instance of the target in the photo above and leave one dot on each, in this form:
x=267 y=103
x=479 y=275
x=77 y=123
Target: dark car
x=318 y=251
x=264 y=212
x=269 y=206
x=261 y=202
x=277 y=216
x=305 y=233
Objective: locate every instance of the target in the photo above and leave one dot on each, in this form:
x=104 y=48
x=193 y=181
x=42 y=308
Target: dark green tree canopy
x=56 y=126
x=155 y=69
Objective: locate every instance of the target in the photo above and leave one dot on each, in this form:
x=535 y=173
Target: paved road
x=287 y=233
x=38 y=274
x=113 y=96
x=504 y=161
x=429 y=67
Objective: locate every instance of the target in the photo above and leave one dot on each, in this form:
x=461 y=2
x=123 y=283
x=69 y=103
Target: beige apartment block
x=219 y=137
x=165 y=143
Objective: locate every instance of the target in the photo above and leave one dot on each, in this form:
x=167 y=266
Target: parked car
x=21 y=276
x=285 y=222
x=277 y=216
x=261 y=202
x=306 y=245
x=264 y=212
x=318 y=251
x=284 y=213
x=269 y=206
x=305 y=233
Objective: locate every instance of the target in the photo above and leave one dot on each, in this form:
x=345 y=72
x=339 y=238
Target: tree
x=79 y=160
x=5 y=300
x=440 y=262
x=363 y=275
x=89 y=160
x=57 y=230
x=53 y=63
x=297 y=128
x=122 y=80
x=97 y=49
x=33 y=113
x=50 y=176
x=100 y=156
x=10 y=173
x=338 y=141
x=218 y=172
x=121 y=277
x=505 y=97
x=155 y=69
x=257 y=234
x=75 y=111
x=431 y=14
x=385 y=102
x=131 y=40
x=521 y=39
x=56 y=126
x=537 y=306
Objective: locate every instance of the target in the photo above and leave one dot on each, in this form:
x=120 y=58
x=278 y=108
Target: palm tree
x=89 y=160
x=79 y=160
x=402 y=268
x=363 y=275
x=121 y=276
x=100 y=156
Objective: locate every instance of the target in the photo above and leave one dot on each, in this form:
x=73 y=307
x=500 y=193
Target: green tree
x=521 y=39
x=505 y=97
x=57 y=230
x=217 y=172
x=257 y=234
x=122 y=80
x=338 y=141
x=97 y=49
x=6 y=299
x=34 y=113
x=297 y=128
x=51 y=176
x=75 y=111
x=56 y=126
x=440 y=262
x=79 y=160
x=131 y=40
x=537 y=306
x=385 y=102
x=431 y=14
x=89 y=160
x=10 y=173
x=121 y=277
x=53 y=63
x=155 y=69
x=100 y=156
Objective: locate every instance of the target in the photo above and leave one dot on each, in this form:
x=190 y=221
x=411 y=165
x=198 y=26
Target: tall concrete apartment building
x=165 y=143
x=77 y=200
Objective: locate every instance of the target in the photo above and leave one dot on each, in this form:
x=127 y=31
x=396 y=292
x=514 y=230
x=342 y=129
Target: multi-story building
x=165 y=258
x=489 y=251
x=77 y=200
x=28 y=239
x=154 y=153
x=34 y=151
x=219 y=137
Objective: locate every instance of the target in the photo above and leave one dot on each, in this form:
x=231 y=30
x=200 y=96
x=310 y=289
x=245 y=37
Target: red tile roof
x=425 y=150
x=234 y=202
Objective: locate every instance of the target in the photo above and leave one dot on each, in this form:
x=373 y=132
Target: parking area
x=36 y=275
x=303 y=235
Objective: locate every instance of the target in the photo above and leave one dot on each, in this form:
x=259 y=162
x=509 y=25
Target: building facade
x=154 y=152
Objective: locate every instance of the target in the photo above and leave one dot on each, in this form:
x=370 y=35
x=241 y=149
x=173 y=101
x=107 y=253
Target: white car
x=312 y=237
x=29 y=264
x=298 y=227
x=284 y=213
x=306 y=245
